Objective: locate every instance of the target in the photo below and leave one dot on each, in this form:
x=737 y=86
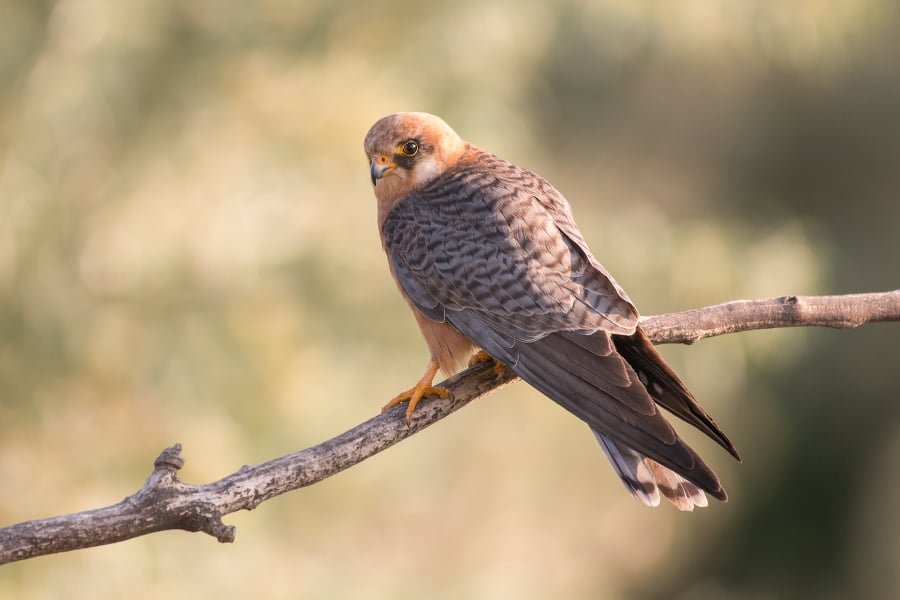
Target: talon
x=500 y=370
x=479 y=357
x=415 y=394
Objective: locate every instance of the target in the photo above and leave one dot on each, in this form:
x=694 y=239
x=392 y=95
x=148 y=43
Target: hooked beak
x=380 y=167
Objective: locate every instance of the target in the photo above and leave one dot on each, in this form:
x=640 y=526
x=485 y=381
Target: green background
x=188 y=252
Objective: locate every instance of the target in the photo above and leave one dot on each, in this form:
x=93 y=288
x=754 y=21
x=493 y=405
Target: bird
x=490 y=260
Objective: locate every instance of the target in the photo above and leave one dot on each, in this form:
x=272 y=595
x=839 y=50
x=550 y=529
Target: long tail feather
x=645 y=478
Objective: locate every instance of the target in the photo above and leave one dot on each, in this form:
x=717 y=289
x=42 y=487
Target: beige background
x=188 y=253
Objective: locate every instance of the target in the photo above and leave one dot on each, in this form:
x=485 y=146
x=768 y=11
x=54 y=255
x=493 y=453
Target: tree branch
x=838 y=312
x=165 y=503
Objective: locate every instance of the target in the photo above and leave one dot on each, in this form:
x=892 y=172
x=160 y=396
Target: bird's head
x=408 y=150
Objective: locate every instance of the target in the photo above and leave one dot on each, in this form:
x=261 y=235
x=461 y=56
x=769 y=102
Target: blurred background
x=188 y=253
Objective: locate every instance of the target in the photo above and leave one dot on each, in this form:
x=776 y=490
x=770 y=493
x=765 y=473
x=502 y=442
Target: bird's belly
x=449 y=348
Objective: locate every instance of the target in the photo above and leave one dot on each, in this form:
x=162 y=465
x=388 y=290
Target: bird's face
x=407 y=151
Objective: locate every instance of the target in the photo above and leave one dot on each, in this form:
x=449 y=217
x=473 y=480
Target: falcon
x=489 y=257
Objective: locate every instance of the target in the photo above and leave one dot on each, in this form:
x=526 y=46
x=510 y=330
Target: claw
x=481 y=356
x=421 y=388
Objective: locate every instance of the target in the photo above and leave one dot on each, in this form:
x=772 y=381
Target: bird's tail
x=666 y=388
x=645 y=478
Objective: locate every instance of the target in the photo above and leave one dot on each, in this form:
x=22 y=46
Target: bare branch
x=166 y=503
x=839 y=312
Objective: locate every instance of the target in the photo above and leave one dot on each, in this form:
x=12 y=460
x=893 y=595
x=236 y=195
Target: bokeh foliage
x=188 y=253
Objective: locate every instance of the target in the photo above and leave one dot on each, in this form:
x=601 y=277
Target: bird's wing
x=484 y=238
x=666 y=388
x=493 y=249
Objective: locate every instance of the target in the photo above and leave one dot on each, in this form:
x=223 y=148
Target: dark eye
x=410 y=148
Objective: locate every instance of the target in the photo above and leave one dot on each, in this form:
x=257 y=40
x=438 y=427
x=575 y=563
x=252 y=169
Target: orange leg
x=421 y=388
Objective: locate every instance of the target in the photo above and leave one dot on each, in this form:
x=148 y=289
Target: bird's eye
x=410 y=148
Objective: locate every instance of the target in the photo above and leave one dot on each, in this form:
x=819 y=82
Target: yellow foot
x=421 y=388
x=482 y=356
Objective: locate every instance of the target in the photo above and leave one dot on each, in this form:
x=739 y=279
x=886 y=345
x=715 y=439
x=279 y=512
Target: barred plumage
x=488 y=255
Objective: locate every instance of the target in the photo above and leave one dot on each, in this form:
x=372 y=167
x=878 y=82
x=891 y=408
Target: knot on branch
x=204 y=517
x=219 y=530
x=794 y=309
x=164 y=472
x=169 y=459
